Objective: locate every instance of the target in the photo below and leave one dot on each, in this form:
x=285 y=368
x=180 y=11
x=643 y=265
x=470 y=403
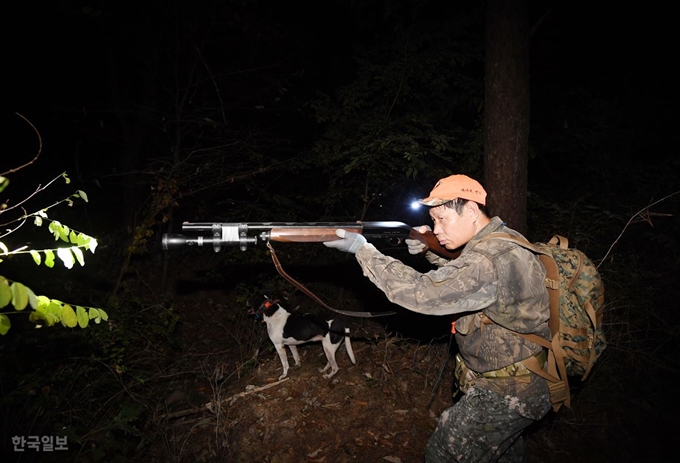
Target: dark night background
x=286 y=111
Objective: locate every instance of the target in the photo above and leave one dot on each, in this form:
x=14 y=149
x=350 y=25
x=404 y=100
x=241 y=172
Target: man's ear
x=472 y=209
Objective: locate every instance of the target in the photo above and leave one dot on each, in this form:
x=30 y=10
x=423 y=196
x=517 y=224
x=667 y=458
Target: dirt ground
x=383 y=409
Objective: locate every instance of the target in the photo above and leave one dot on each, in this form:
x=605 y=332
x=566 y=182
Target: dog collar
x=267 y=304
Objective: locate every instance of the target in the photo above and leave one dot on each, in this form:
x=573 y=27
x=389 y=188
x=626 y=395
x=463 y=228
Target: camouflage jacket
x=497 y=278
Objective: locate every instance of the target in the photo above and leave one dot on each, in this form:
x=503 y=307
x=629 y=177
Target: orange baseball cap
x=455 y=186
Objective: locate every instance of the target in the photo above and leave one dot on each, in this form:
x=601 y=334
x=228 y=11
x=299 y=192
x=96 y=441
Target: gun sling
x=302 y=288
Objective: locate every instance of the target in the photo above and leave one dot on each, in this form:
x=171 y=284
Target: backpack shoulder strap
x=559 y=241
x=552 y=275
x=556 y=374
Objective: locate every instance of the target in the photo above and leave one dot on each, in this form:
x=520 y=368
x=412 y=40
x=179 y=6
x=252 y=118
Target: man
x=495 y=287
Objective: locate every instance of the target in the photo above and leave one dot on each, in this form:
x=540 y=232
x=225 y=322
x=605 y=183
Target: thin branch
x=210 y=405
x=538 y=23
x=37 y=190
x=637 y=214
x=217 y=89
x=9 y=232
x=40 y=144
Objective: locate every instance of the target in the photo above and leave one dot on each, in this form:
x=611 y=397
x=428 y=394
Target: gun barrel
x=176 y=240
x=264 y=226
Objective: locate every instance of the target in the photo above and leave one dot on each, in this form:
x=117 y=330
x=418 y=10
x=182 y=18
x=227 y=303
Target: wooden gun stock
x=429 y=239
x=307 y=235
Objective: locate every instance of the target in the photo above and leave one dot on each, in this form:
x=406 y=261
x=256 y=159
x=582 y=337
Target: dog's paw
x=331 y=374
x=283 y=376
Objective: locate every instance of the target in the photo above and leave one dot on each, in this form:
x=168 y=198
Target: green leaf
x=51 y=319
x=63 y=233
x=94 y=313
x=55 y=309
x=5 y=292
x=19 y=296
x=32 y=299
x=82 y=316
x=36 y=256
x=66 y=257
x=79 y=255
x=92 y=245
x=5 y=324
x=101 y=315
x=4 y=181
x=83 y=195
x=54 y=229
x=49 y=258
x=72 y=237
x=68 y=316
x=68 y=180
x=43 y=304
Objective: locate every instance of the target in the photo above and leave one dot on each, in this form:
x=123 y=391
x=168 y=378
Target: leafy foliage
x=46 y=310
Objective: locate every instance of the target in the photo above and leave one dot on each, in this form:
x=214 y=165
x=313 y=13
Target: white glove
x=350 y=242
x=417 y=246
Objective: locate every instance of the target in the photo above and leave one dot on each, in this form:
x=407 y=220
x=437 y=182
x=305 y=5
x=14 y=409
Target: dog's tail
x=348 y=346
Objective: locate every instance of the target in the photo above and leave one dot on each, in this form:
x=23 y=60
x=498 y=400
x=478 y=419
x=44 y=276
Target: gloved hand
x=417 y=246
x=350 y=242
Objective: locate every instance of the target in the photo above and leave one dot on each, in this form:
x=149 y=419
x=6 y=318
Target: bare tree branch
x=11 y=171
x=632 y=219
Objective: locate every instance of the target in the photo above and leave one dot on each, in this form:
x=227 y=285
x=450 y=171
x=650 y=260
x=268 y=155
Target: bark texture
x=506 y=110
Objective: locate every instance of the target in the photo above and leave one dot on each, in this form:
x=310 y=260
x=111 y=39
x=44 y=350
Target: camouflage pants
x=484 y=426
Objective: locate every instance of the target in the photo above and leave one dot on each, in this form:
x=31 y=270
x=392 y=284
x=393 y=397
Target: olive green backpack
x=576 y=309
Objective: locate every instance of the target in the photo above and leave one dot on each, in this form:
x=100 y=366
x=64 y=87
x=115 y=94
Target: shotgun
x=220 y=234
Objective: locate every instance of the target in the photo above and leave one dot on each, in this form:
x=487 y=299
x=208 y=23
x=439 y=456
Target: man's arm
x=459 y=286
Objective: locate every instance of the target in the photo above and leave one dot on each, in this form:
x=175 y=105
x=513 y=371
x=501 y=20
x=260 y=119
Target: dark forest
x=126 y=120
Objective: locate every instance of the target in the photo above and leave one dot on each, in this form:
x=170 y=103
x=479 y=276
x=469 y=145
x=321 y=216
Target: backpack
x=576 y=308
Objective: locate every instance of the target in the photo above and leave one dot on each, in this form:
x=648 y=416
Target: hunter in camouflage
x=495 y=286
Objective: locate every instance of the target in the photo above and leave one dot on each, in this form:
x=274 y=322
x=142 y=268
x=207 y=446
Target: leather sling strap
x=302 y=288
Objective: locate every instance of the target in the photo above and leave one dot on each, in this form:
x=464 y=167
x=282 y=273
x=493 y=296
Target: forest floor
x=215 y=395
x=383 y=409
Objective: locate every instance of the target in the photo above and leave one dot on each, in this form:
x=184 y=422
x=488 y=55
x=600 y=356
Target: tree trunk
x=506 y=110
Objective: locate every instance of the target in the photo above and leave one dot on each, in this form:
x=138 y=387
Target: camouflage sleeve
x=436 y=260
x=461 y=285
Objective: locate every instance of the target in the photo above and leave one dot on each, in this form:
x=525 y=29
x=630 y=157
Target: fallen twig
x=209 y=406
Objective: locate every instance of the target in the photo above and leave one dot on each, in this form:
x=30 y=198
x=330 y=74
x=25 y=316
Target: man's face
x=451 y=229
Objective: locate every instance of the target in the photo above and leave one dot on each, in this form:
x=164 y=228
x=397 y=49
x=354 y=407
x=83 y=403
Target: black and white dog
x=288 y=329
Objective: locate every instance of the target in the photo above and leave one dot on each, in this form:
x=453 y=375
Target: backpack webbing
x=556 y=373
